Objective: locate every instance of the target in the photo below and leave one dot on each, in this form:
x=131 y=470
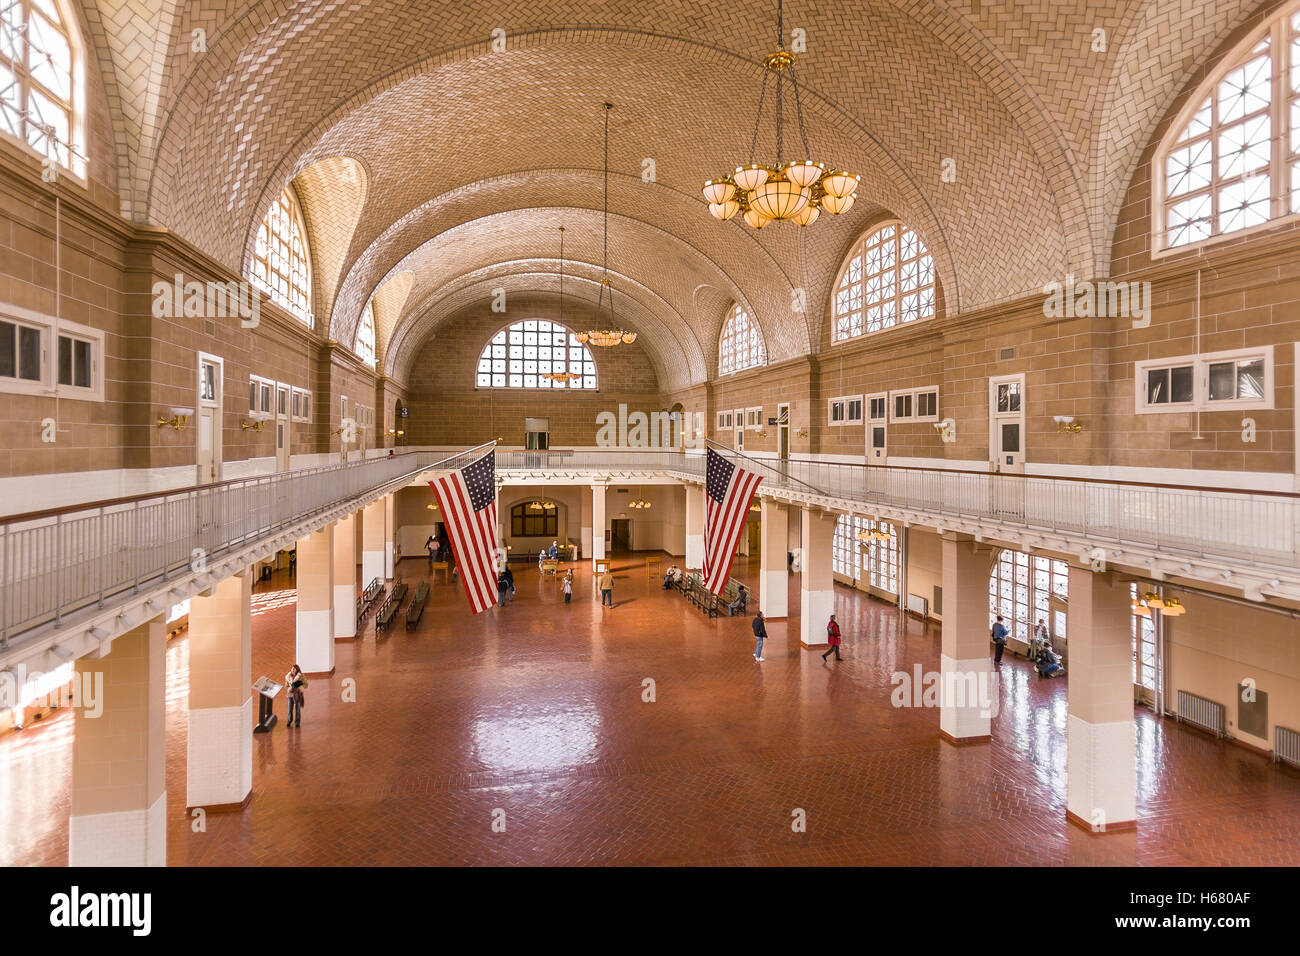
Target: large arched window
x=40 y=81
x=887 y=279
x=873 y=557
x=1021 y=588
x=1232 y=160
x=741 y=345
x=531 y=354
x=281 y=264
x=365 y=341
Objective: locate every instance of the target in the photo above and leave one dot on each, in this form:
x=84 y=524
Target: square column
x=316 y=603
x=390 y=534
x=374 y=537
x=584 y=536
x=597 y=524
x=219 y=759
x=967 y=683
x=1100 y=733
x=694 y=527
x=345 y=578
x=119 y=795
x=773 y=574
x=817 y=582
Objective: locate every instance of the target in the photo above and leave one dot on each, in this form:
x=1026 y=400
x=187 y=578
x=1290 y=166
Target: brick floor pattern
x=536 y=710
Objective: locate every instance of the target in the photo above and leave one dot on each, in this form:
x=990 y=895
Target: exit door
x=783 y=435
x=208 y=420
x=1007 y=445
x=282 y=429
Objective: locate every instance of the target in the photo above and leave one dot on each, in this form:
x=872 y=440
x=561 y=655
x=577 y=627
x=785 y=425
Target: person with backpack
x=760 y=635
x=999 y=635
x=296 y=682
x=833 y=638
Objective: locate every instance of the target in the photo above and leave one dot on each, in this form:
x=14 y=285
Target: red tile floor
x=537 y=710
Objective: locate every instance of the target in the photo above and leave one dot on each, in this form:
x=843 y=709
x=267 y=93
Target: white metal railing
x=1255 y=527
x=56 y=562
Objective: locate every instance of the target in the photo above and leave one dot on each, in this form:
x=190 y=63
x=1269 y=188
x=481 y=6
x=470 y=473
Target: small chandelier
x=565 y=377
x=639 y=502
x=873 y=534
x=605 y=338
x=797 y=190
x=1151 y=602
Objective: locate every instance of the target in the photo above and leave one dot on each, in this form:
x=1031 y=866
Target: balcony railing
x=1213 y=523
x=54 y=563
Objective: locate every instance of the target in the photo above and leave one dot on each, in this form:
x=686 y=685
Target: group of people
x=1046 y=661
x=672 y=576
x=759 y=625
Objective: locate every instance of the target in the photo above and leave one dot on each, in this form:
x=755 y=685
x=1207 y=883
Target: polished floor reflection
x=648 y=734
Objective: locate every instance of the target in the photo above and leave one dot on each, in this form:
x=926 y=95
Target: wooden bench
x=417 y=605
x=367 y=598
x=390 y=607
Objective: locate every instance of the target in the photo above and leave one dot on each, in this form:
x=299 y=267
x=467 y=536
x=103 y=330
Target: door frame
x=997 y=419
x=215 y=405
x=869 y=450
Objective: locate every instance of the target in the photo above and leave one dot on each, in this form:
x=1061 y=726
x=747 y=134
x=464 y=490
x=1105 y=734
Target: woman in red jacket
x=833 y=638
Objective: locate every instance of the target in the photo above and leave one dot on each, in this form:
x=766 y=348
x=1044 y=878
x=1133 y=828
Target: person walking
x=999 y=633
x=510 y=583
x=760 y=635
x=833 y=639
x=431 y=544
x=503 y=586
x=607 y=589
x=296 y=682
x=568 y=586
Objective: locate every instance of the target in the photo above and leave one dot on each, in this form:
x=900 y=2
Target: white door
x=1007 y=444
x=739 y=422
x=208 y=420
x=282 y=420
x=783 y=435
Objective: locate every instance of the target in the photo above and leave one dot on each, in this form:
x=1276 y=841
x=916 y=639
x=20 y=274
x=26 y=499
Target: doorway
x=620 y=534
x=208 y=419
x=738 y=421
x=783 y=435
x=282 y=428
x=1007 y=424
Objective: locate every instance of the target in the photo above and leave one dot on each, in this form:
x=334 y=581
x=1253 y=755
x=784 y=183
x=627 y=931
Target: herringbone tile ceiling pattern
x=468 y=158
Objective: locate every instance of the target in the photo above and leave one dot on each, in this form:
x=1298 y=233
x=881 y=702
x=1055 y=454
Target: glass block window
x=365 y=343
x=741 y=345
x=1021 y=587
x=1233 y=163
x=281 y=264
x=875 y=559
x=523 y=355
x=40 y=93
x=888 y=279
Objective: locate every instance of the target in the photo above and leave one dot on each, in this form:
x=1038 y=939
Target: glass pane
x=1223 y=381
x=1010 y=438
x=65 y=360
x=8 y=350
x=1250 y=378
x=1180 y=384
x=29 y=354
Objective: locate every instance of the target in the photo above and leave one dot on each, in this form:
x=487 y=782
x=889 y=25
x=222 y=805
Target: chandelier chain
x=758 y=120
x=798 y=112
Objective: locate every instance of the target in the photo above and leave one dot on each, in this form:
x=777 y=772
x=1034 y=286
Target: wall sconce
x=432 y=507
x=395 y=432
x=1066 y=423
x=947 y=430
x=760 y=432
x=180 y=418
x=255 y=426
x=801 y=433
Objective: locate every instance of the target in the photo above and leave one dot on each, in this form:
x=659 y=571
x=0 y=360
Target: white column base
x=774 y=593
x=345 y=610
x=316 y=641
x=372 y=566
x=124 y=838
x=1101 y=773
x=968 y=697
x=816 y=610
x=694 y=552
x=219 y=759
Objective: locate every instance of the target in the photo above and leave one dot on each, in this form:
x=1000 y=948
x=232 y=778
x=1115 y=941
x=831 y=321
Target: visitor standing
x=295 y=682
x=999 y=639
x=607 y=589
x=568 y=586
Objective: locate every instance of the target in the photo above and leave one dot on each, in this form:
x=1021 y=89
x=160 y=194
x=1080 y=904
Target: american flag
x=468 y=500
x=728 y=490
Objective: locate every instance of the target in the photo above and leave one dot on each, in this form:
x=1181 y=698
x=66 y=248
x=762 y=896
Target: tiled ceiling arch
x=331 y=192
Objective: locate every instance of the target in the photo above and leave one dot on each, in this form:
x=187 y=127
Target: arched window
x=40 y=81
x=365 y=342
x=1232 y=160
x=281 y=264
x=873 y=558
x=526 y=353
x=741 y=345
x=1021 y=588
x=887 y=279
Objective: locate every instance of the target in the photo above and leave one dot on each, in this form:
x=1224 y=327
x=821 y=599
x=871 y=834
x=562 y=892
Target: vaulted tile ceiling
x=461 y=162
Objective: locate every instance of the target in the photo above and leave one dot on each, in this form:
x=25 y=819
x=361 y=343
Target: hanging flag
x=468 y=500
x=728 y=490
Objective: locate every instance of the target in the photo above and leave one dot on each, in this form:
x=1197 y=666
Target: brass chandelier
x=605 y=338
x=797 y=190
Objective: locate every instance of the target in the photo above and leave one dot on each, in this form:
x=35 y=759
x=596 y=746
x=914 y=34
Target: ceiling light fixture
x=605 y=338
x=798 y=190
x=562 y=377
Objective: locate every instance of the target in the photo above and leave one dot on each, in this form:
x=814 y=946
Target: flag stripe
x=473 y=536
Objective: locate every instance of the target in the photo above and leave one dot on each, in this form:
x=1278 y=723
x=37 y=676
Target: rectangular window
x=282 y=400
x=877 y=407
x=916 y=404
x=754 y=417
x=845 y=410
x=1240 y=379
x=207 y=381
x=35 y=360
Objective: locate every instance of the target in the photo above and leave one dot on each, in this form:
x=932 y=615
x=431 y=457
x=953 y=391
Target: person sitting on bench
x=738 y=605
x=672 y=576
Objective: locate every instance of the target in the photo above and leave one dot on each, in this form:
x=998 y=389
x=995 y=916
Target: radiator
x=918 y=605
x=1204 y=713
x=1286 y=745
